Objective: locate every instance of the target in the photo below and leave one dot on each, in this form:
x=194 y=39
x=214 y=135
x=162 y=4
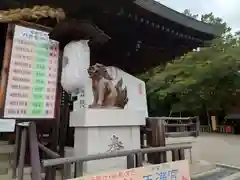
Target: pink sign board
x=178 y=170
x=33 y=72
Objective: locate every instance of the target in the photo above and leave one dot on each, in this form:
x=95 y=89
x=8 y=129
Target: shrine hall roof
x=172 y=15
x=151 y=6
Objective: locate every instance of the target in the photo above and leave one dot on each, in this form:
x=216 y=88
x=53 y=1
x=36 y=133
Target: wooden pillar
x=162 y=140
x=214 y=123
x=6 y=61
x=24 y=130
x=157 y=138
x=197 y=126
x=175 y=155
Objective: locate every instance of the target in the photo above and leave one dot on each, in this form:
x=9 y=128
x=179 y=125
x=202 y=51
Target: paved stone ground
x=217 y=148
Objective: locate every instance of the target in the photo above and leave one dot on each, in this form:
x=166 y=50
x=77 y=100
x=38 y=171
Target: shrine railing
x=134 y=159
x=157 y=129
x=156 y=154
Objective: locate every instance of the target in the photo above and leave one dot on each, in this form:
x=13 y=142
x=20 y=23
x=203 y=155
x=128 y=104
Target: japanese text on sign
x=82 y=97
x=178 y=170
x=32 y=79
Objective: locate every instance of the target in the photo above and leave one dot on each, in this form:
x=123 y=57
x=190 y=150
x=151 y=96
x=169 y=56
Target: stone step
x=234 y=176
x=3 y=142
x=198 y=167
x=6 y=151
x=217 y=174
x=207 y=171
x=5 y=157
x=6 y=148
x=27 y=175
x=4 y=167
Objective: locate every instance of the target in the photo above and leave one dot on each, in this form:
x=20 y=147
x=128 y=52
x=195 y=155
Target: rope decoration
x=29 y=14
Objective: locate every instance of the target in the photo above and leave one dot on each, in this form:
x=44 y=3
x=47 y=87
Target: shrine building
x=134 y=35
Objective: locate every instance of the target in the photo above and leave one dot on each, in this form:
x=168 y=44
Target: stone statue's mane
x=99 y=71
x=106 y=94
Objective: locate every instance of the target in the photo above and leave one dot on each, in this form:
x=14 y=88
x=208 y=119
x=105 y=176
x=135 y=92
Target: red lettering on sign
x=184 y=178
x=140 y=89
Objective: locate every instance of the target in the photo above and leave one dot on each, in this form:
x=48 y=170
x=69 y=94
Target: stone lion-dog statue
x=105 y=93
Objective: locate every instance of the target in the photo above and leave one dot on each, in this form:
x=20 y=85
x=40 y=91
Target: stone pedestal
x=106 y=130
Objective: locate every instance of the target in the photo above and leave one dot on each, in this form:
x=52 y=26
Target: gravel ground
x=217 y=148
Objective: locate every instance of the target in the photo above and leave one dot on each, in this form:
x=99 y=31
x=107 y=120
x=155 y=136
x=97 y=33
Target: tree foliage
x=188 y=13
x=199 y=80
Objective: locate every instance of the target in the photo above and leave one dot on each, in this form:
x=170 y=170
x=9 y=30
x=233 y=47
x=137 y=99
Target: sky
x=228 y=10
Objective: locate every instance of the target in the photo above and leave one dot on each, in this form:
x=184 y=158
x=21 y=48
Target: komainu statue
x=105 y=93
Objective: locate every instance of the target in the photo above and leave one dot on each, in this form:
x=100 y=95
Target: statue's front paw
x=94 y=106
x=99 y=103
x=90 y=106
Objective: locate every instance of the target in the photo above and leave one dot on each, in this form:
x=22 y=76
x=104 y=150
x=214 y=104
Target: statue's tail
x=122 y=98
